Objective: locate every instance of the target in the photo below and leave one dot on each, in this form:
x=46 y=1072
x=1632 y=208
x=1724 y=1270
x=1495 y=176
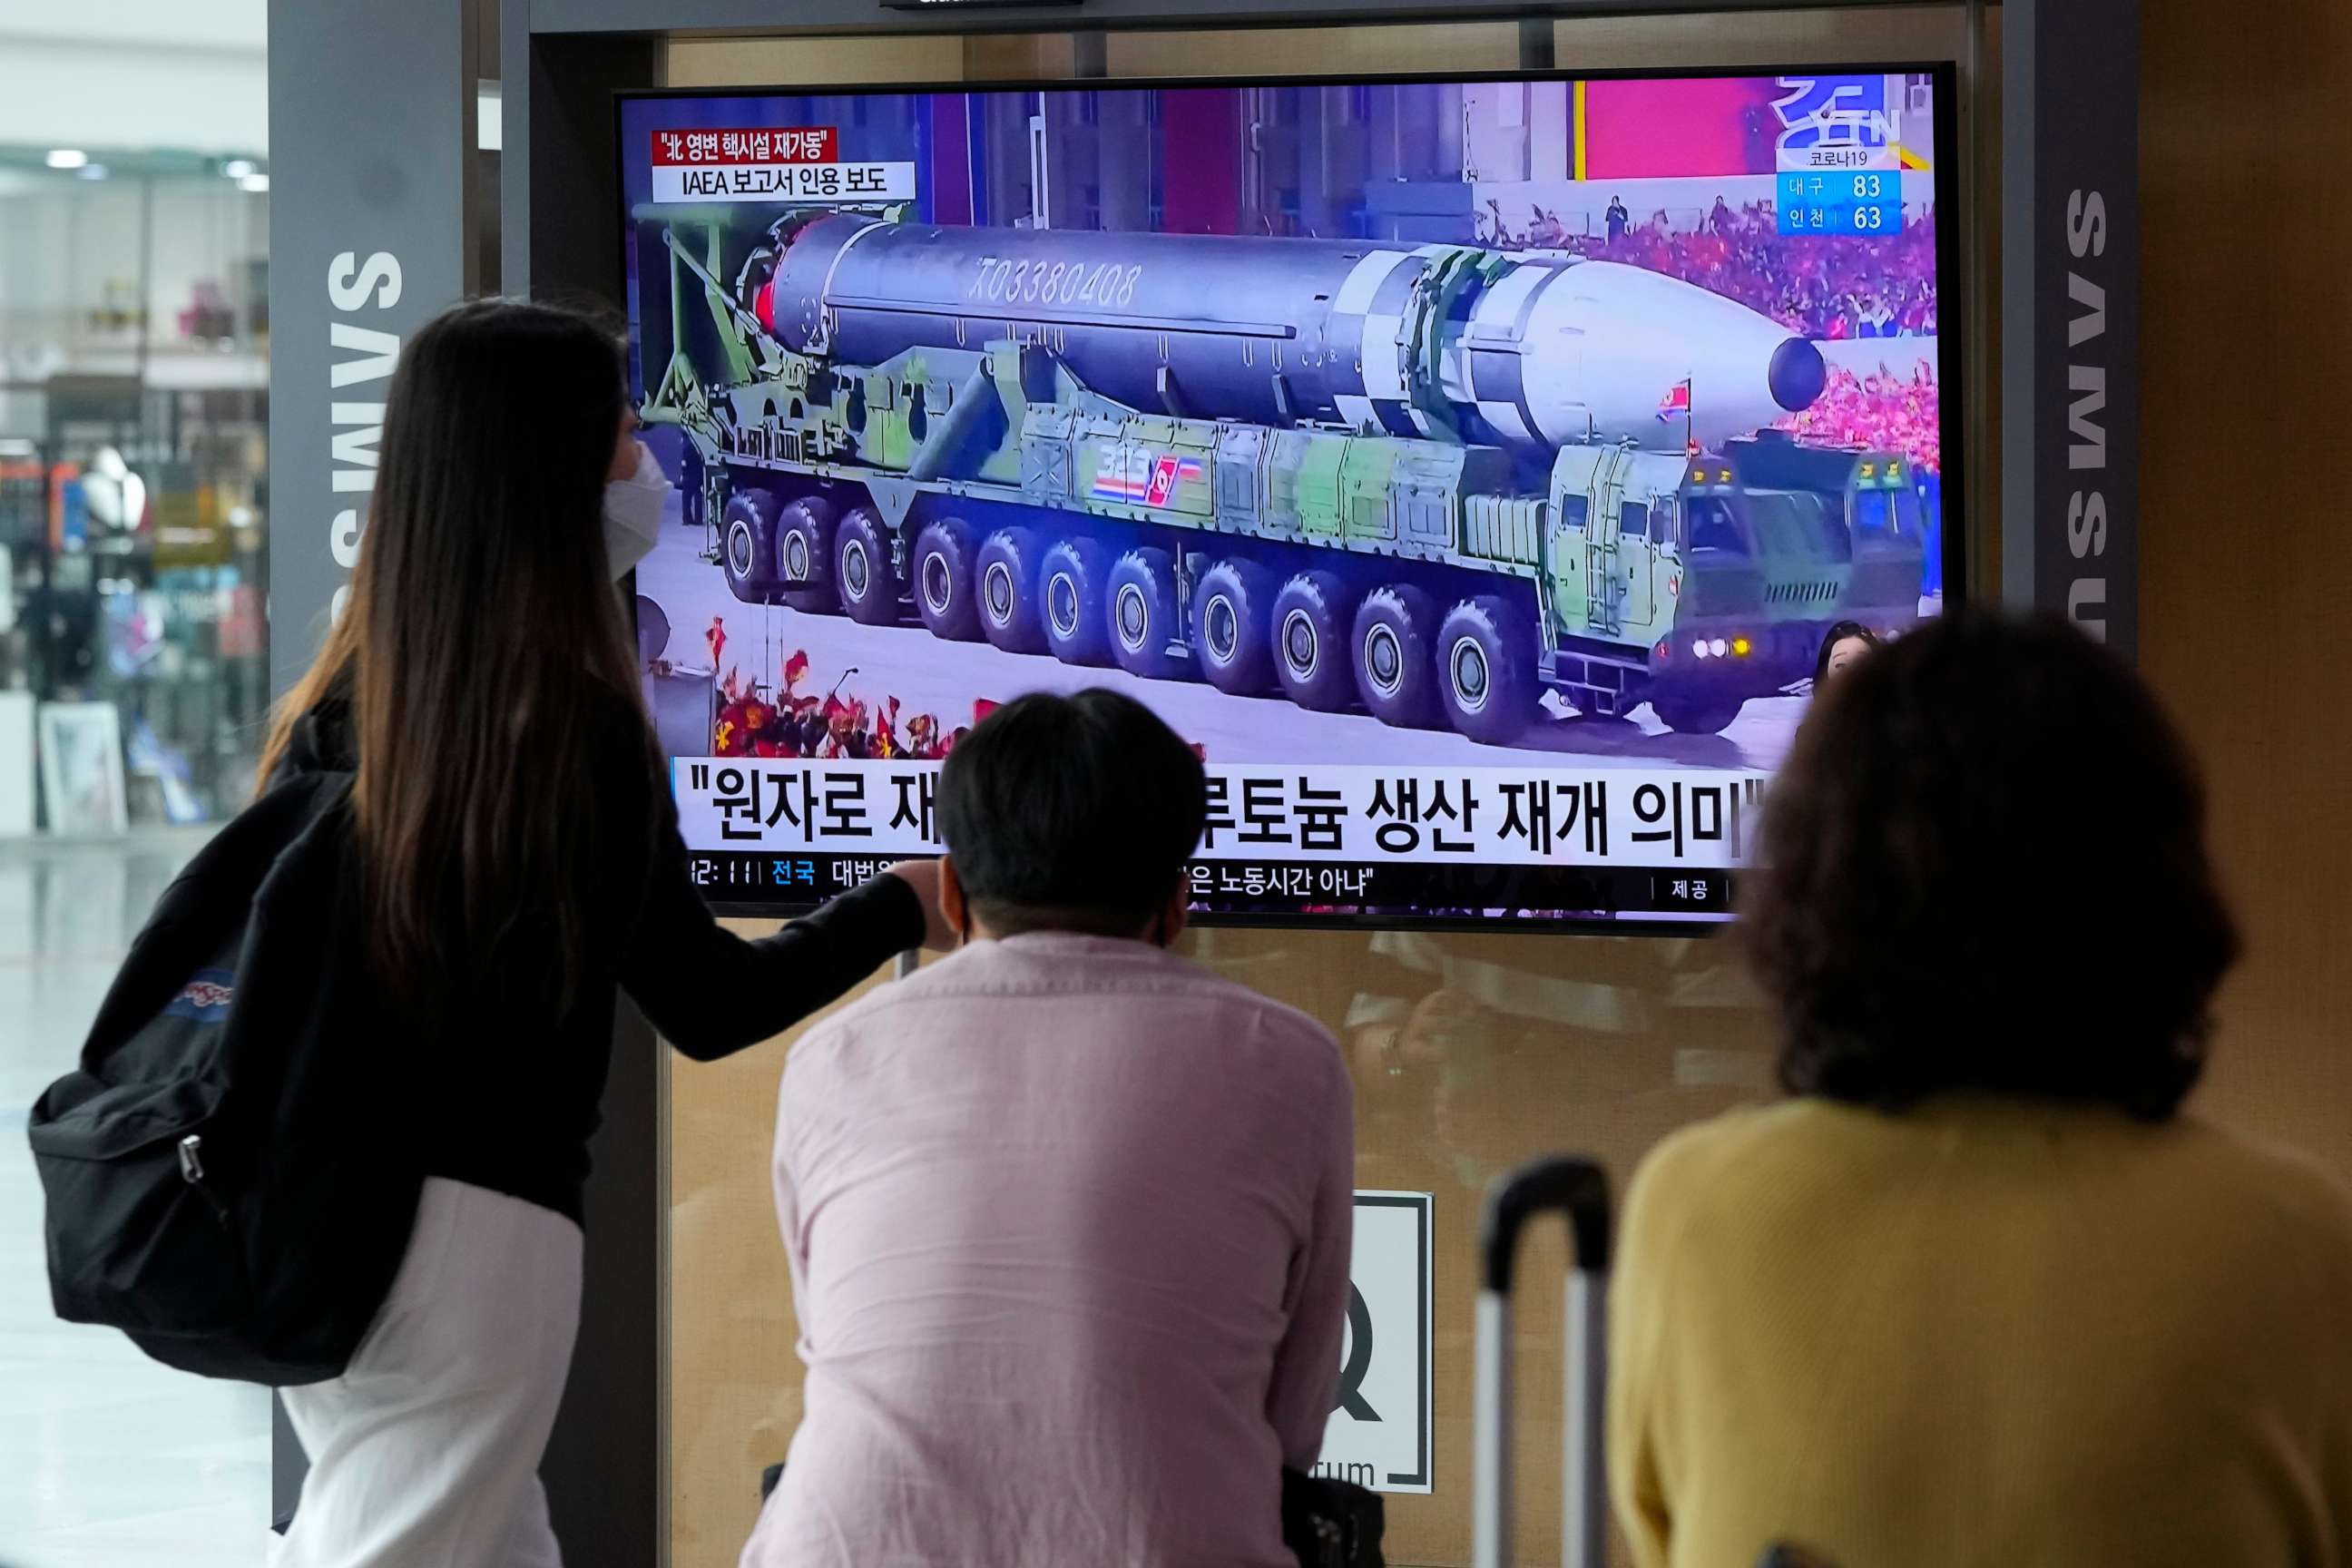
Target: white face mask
x=633 y=514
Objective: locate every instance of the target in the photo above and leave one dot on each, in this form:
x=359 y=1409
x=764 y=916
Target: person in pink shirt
x=1068 y=1216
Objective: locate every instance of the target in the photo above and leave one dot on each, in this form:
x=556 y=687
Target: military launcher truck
x=1412 y=479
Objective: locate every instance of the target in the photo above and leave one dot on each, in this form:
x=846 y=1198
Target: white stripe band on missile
x=1364 y=279
x=1504 y=418
x=1383 y=375
x=1345 y=376
x=1385 y=381
x=1498 y=318
x=1355 y=411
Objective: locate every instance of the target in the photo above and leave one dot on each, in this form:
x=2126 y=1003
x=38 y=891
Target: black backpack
x=231 y=1175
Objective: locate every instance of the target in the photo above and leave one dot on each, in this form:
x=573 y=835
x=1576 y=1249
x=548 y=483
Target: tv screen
x=1472 y=471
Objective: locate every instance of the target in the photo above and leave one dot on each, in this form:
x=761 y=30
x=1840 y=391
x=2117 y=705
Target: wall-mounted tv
x=1470 y=469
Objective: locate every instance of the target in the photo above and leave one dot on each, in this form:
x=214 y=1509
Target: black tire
x=1311 y=619
x=1696 y=712
x=1233 y=627
x=1007 y=593
x=1146 y=616
x=747 y=549
x=1487 y=670
x=946 y=576
x=1396 y=661
x=804 y=557
x=1070 y=583
x=863 y=579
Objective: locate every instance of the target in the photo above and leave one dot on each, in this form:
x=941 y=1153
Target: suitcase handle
x=1578 y=1189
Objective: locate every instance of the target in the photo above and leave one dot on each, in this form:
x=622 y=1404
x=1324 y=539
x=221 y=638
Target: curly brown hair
x=1983 y=868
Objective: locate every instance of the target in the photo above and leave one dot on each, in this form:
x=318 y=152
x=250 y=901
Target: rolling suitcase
x=1578 y=1191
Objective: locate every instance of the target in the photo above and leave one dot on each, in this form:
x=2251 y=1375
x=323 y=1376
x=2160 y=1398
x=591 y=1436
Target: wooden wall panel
x=817 y=64
x=1469 y=1054
x=2246 y=552
x=1316 y=51
x=734 y=1388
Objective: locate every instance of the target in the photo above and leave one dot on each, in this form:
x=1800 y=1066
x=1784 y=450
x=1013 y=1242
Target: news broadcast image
x=1470 y=471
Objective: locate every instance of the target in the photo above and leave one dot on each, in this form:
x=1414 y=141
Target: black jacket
x=507 y=1101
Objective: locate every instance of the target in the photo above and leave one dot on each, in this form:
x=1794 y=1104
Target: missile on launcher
x=1433 y=481
x=1433 y=341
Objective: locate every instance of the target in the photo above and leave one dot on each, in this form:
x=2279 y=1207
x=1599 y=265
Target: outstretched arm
x=710 y=992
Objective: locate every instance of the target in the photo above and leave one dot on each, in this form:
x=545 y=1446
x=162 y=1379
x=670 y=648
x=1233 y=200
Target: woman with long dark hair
x=520 y=862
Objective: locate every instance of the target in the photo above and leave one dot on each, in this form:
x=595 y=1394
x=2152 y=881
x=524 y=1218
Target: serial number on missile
x=1036 y=282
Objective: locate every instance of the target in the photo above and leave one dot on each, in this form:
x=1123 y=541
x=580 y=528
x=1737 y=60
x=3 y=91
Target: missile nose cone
x=1797 y=374
x=1608 y=341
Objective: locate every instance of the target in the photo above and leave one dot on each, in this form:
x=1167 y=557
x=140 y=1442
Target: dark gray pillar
x=371 y=137
x=371 y=131
x=2070 y=303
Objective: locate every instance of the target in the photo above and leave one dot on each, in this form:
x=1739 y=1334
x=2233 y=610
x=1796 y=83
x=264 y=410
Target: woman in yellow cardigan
x=1978 y=1294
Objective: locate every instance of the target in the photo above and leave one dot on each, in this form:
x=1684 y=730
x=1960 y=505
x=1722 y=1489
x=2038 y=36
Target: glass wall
x=133 y=425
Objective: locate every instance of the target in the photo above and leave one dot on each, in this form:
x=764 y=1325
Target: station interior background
x=133 y=341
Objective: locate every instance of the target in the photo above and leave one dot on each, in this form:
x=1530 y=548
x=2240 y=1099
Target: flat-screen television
x=1470 y=469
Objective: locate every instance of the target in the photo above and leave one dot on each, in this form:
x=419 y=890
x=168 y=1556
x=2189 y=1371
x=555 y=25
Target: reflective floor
x=107 y=1459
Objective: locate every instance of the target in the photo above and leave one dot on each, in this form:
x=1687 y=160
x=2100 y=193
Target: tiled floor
x=107 y=1460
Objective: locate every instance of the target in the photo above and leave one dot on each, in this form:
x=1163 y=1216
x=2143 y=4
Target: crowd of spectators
x=1883 y=410
x=753 y=721
x=757 y=721
x=1824 y=286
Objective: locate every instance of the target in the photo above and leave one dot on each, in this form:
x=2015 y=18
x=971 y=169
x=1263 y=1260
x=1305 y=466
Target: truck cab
x=1695 y=583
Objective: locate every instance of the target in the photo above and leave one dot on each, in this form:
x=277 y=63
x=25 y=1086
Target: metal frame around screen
x=1951 y=392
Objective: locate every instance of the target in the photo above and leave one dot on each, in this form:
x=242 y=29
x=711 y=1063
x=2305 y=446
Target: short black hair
x=1835 y=636
x=1071 y=812
x=1983 y=868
